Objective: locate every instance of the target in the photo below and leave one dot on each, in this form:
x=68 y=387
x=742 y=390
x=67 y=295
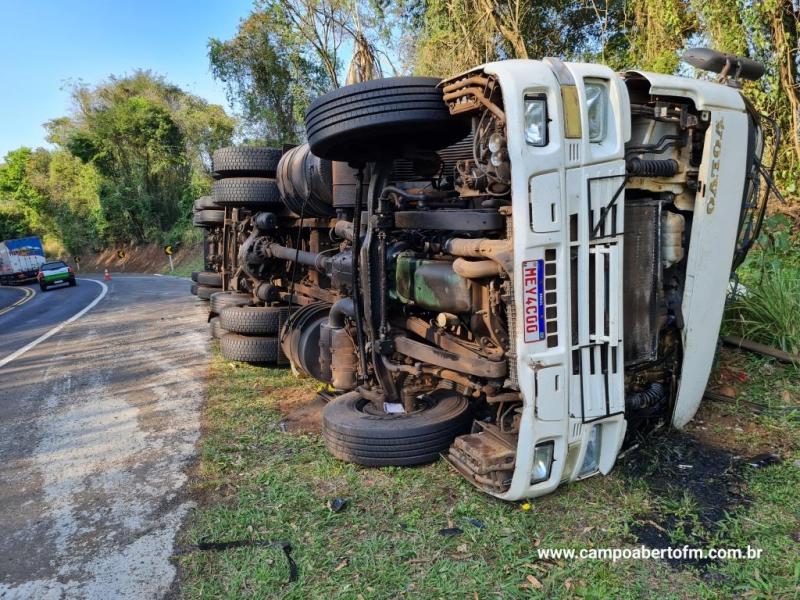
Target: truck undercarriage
x=509 y=268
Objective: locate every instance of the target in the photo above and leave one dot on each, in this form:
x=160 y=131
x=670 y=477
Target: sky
x=46 y=45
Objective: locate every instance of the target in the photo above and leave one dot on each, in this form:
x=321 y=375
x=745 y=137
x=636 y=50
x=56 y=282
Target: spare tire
x=253 y=320
x=209 y=218
x=355 y=431
x=245 y=161
x=222 y=299
x=205 y=203
x=249 y=348
x=255 y=193
x=382 y=118
x=209 y=278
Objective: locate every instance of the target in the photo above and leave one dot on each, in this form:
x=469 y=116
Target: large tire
x=355 y=432
x=209 y=218
x=250 y=348
x=246 y=161
x=193 y=289
x=222 y=299
x=382 y=118
x=255 y=193
x=209 y=278
x=204 y=292
x=205 y=203
x=253 y=320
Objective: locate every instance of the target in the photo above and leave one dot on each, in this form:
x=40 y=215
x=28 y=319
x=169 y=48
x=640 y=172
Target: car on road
x=55 y=272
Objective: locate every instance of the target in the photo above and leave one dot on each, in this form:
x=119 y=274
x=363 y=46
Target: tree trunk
x=784 y=30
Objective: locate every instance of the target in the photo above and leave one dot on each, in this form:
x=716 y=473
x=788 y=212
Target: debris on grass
x=336 y=505
x=475 y=522
x=763 y=460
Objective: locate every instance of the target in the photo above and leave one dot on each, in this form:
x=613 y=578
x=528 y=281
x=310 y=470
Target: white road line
x=60 y=326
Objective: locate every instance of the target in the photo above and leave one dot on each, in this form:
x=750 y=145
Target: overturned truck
x=513 y=267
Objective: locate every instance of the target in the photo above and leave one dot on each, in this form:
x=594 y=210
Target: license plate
x=58 y=281
x=533 y=300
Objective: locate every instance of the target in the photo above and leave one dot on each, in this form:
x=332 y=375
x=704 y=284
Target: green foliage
x=151 y=144
x=287 y=52
x=270 y=82
x=454 y=35
x=768 y=308
x=127 y=166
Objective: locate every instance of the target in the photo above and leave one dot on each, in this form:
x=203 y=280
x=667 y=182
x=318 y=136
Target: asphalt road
x=10 y=295
x=98 y=425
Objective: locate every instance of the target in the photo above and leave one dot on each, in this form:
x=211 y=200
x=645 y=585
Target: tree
x=151 y=144
x=454 y=35
x=287 y=52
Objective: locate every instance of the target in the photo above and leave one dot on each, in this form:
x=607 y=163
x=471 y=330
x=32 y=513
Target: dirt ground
x=148 y=258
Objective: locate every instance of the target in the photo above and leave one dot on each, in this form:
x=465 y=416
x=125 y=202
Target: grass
x=256 y=482
x=767 y=310
x=184 y=269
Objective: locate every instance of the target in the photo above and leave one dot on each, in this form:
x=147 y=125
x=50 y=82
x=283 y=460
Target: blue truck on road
x=20 y=260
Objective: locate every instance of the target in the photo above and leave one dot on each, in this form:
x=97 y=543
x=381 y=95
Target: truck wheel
x=249 y=348
x=205 y=203
x=222 y=299
x=382 y=118
x=253 y=320
x=245 y=161
x=204 y=291
x=355 y=431
x=209 y=278
x=255 y=193
x=209 y=218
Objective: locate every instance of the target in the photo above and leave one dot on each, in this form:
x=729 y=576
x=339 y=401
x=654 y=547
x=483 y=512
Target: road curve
x=98 y=425
x=24 y=323
x=10 y=296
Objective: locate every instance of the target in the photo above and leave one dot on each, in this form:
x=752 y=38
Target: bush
x=768 y=310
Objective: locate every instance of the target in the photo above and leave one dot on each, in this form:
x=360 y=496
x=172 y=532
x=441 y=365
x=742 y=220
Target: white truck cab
x=627 y=193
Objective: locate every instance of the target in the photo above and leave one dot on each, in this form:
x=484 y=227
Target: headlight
x=542 y=462
x=591 y=459
x=536 y=120
x=596 y=101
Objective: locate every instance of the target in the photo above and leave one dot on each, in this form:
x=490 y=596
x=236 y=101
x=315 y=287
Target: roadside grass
x=184 y=269
x=256 y=482
x=768 y=306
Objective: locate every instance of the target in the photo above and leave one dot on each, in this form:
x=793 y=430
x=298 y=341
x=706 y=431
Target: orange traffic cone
x=107 y=275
